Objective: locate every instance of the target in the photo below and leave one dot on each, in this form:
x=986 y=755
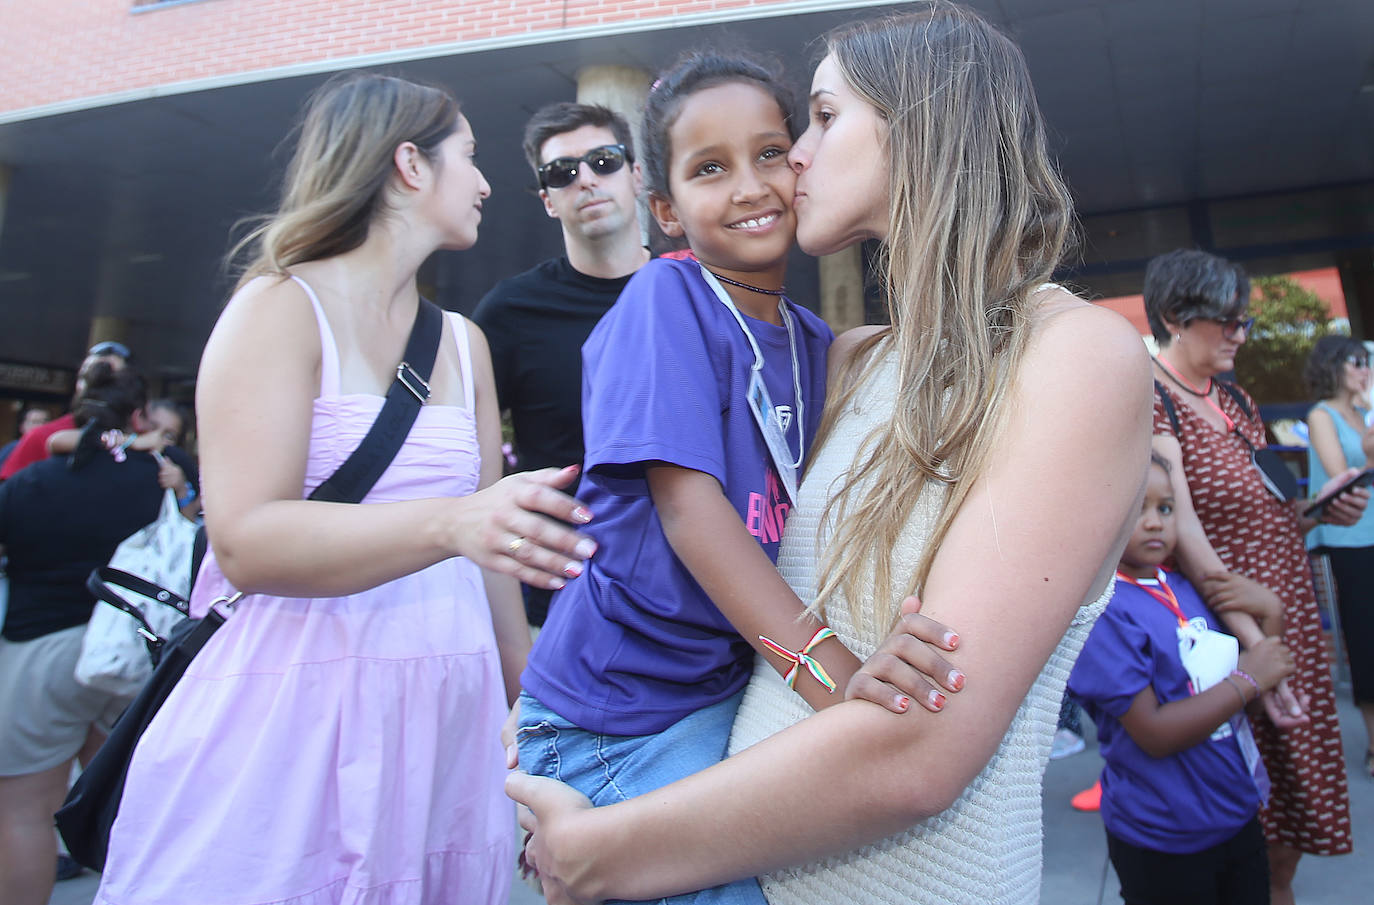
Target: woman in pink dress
x=338 y=739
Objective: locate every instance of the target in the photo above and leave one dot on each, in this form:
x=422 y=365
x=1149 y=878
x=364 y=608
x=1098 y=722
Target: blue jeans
x=612 y=768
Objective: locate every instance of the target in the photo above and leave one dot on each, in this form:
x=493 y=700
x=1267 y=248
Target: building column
x=108 y=327
x=842 y=288
x=623 y=89
x=1357 y=282
x=4 y=195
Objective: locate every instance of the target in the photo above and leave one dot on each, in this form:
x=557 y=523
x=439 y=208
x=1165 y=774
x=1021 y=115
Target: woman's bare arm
x=258 y=379
x=1322 y=436
x=1038 y=535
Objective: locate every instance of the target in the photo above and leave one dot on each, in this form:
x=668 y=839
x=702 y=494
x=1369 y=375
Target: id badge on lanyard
x=770 y=423
x=761 y=403
x=1209 y=657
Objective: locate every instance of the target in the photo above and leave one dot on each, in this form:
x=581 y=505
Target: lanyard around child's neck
x=786 y=315
x=1165 y=594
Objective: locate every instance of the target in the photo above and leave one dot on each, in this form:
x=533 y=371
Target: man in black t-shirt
x=536 y=321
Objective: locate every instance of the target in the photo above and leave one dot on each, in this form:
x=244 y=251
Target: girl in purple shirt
x=702 y=390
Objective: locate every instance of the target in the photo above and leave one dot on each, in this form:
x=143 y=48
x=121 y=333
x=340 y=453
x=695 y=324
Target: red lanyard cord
x=1165 y=594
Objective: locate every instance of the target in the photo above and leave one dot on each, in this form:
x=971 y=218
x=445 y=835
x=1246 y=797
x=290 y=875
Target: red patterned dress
x=1258 y=536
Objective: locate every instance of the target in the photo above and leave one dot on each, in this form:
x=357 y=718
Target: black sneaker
x=67 y=868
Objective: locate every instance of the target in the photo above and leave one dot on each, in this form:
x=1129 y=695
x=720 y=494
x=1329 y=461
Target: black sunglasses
x=605 y=160
x=1231 y=326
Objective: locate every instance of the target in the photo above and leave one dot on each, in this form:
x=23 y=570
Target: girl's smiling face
x=730 y=185
x=1155 y=536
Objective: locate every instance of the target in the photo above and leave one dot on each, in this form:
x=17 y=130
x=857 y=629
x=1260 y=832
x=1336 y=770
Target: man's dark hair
x=565 y=116
x=1187 y=285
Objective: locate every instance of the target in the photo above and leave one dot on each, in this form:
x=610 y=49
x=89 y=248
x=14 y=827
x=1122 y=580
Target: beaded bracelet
x=1249 y=678
x=803 y=658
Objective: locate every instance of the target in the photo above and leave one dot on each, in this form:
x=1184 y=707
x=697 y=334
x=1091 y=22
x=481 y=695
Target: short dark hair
x=1187 y=285
x=565 y=116
x=1157 y=459
x=1326 y=364
x=698 y=71
x=111 y=397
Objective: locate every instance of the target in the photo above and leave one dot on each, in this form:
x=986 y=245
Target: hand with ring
x=520 y=526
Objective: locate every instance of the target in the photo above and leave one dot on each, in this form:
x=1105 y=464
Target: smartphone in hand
x=1318 y=507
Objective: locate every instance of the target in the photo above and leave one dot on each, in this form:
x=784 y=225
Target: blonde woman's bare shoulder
x=846 y=346
x=1078 y=339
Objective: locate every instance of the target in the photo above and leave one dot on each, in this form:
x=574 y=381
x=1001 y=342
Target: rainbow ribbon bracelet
x=804 y=658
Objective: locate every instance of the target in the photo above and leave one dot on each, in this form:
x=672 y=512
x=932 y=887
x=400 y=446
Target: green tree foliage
x=1288 y=320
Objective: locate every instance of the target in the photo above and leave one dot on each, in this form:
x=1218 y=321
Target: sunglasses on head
x=561 y=171
x=109 y=347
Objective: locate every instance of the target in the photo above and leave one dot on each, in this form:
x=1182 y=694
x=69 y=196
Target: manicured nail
x=951 y=639
x=956 y=680
x=903 y=702
x=936 y=699
x=581 y=514
x=556 y=584
x=585 y=548
x=572 y=569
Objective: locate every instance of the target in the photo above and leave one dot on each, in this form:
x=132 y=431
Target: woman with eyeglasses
x=1338 y=374
x=1242 y=544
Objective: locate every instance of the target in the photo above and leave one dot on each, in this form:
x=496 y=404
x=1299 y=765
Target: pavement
x=1076 y=868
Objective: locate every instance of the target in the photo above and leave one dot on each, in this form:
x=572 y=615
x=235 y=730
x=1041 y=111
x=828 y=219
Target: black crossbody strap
x=102 y=582
x=408 y=392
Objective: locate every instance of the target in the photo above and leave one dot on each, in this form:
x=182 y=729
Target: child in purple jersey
x=1183 y=783
x=702 y=390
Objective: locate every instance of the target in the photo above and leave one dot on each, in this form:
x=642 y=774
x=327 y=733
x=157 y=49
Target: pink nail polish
x=572 y=570
x=956 y=680
x=581 y=514
x=951 y=639
x=903 y=703
x=937 y=700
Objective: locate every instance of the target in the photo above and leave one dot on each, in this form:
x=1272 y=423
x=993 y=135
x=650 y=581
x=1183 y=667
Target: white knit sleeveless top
x=984 y=849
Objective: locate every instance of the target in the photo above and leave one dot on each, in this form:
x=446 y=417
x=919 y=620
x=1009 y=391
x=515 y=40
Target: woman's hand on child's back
x=1268 y=662
x=510 y=528
x=908 y=665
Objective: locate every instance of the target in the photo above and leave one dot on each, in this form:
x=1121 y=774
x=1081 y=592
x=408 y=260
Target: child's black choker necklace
x=780 y=291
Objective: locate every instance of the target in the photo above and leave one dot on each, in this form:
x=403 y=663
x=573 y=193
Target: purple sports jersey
x=1188 y=801
x=634 y=644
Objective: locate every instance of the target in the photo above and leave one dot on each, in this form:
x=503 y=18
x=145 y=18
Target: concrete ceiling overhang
x=1244 y=124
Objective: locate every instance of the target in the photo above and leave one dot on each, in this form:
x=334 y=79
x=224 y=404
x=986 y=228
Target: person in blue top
x=1338 y=374
x=702 y=391
x=1183 y=782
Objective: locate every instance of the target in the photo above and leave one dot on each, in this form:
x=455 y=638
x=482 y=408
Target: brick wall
x=63 y=50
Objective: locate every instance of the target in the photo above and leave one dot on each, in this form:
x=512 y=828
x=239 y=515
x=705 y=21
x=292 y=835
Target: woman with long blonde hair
x=337 y=740
x=985 y=452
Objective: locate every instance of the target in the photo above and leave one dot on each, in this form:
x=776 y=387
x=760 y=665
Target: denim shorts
x=611 y=768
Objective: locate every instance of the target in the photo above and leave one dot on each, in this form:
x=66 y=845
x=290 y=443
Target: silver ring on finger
x=514 y=546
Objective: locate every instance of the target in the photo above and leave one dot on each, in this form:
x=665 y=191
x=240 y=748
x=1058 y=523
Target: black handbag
x=1274 y=473
x=89 y=812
